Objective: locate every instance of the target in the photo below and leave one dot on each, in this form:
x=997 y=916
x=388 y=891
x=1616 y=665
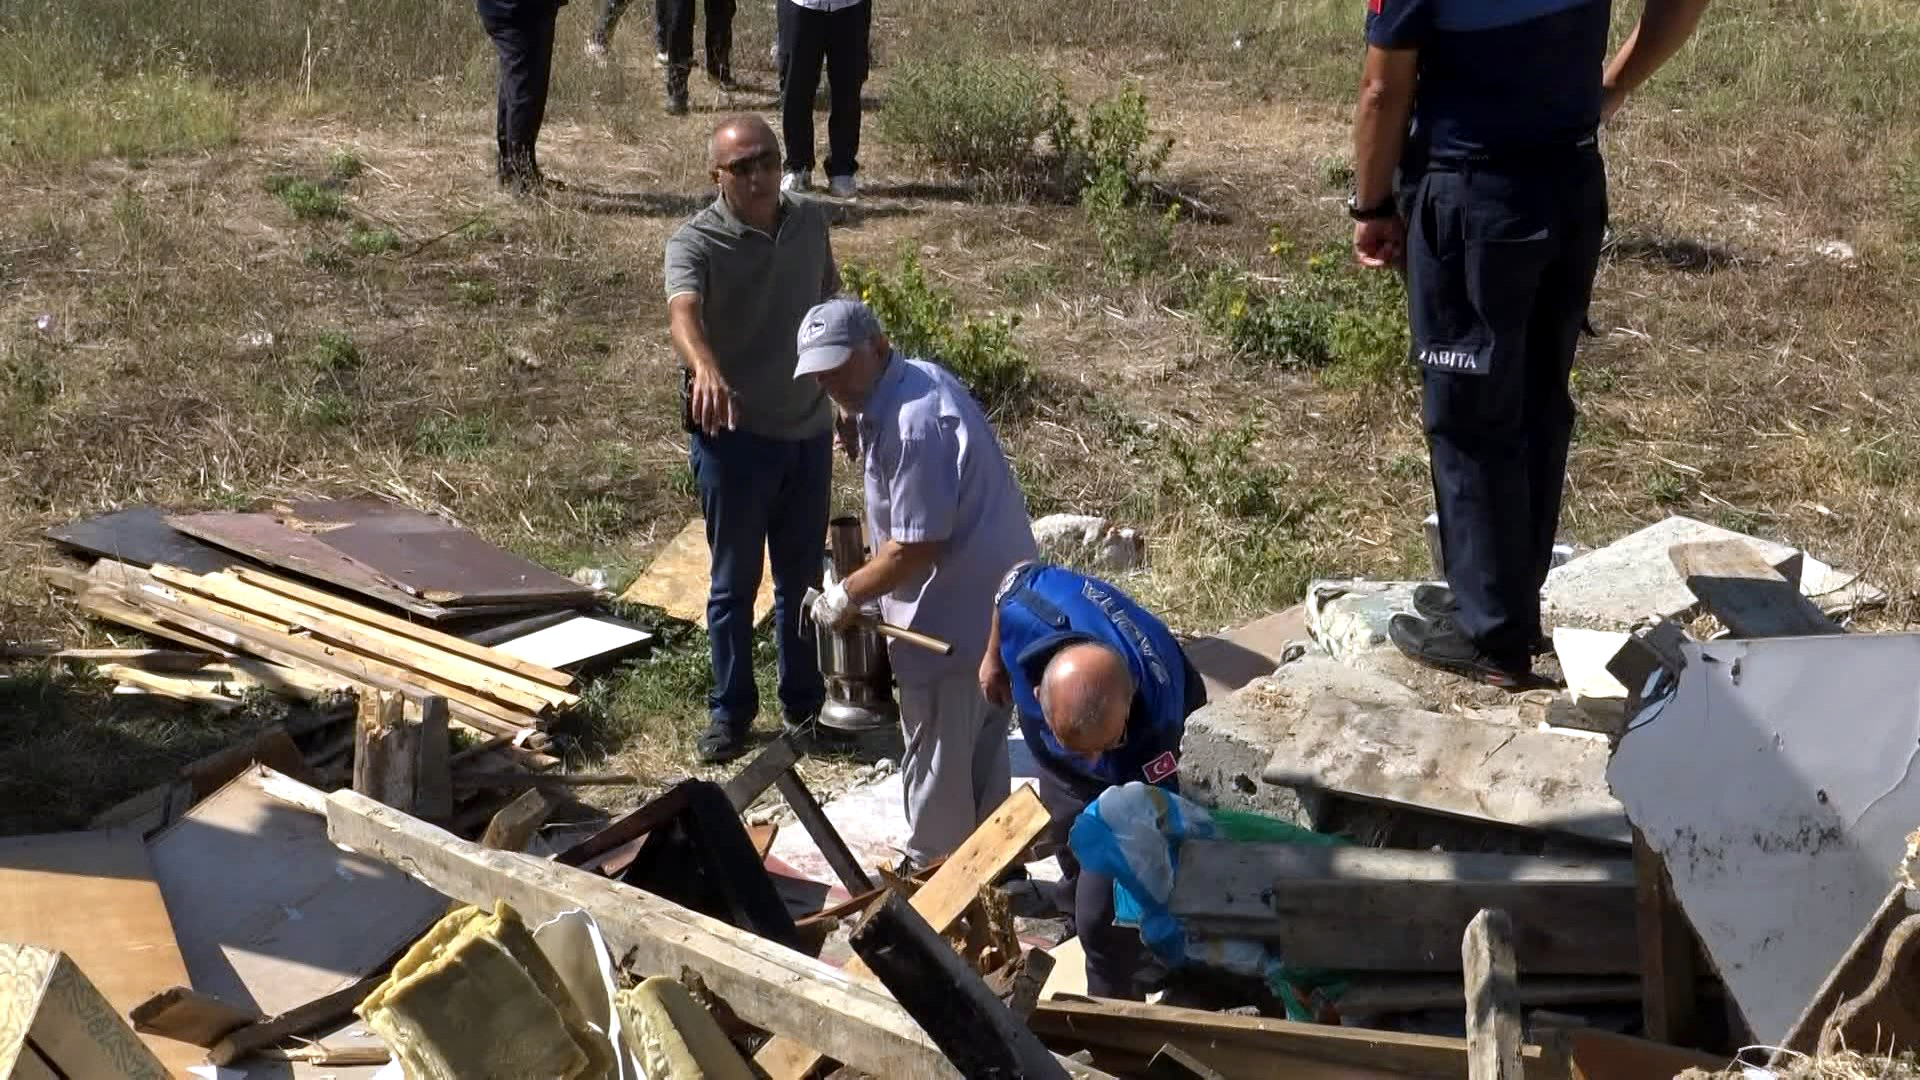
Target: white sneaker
x=797 y=180
x=842 y=187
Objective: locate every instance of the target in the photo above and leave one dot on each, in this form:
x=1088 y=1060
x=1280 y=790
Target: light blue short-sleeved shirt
x=935 y=472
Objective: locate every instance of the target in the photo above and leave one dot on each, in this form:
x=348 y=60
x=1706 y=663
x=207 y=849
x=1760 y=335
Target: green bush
x=1115 y=142
x=308 y=201
x=920 y=321
x=372 y=241
x=1324 y=314
x=978 y=115
x=333 y=353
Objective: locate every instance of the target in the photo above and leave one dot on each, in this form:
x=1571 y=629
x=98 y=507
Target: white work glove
x=833 y=608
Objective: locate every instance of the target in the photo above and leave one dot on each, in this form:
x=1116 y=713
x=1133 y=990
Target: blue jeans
x=762 y=495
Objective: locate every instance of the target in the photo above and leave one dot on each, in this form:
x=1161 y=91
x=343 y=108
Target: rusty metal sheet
x=428 y=556
x=140 y=535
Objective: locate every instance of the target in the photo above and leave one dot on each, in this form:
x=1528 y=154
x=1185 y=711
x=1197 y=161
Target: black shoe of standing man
x=1437 y=602
x=720 y=743
x=1442 y=645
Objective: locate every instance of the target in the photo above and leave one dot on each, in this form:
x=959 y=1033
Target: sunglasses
x=761 y=162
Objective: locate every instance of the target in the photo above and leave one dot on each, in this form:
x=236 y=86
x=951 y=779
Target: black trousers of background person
x=676 y=21
x=612 y=10
x=1501 y=258
x=523 y=38
x=840 y=39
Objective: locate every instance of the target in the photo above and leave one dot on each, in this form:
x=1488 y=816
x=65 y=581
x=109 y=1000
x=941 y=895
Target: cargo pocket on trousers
x=1446 y=332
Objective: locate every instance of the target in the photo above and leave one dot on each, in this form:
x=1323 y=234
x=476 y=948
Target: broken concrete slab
x=1231 y=660
x=1229 y=743
x=1633 y=578
x=1348 y=620
x=1778 y=785
x=1597 y=695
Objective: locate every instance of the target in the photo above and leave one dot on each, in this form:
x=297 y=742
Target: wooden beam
x=185 y=1014
x=446 y=642
x=301 y=1020
x=386 y=750
x=997 y=844
x=1019 y=981
x=981 y=1037
x=1667 y=948
x=1747 y=595
x=433 y=766
x=518 y=821
x=767 y=766
x=1173 y=1063
x=1373 y=909
x=1493 y=1008
x=812 y=818
x=1126 y=1033
x=627 y=828
x=766 y=985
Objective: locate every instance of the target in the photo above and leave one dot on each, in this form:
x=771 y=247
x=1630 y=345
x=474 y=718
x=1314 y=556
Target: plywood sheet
x=268 y=913
x=578 y=640
x=92 y=895
x=428 y=555
x=1452 y=765
x=140 y=535
x=677 y=580
x=1778 y=784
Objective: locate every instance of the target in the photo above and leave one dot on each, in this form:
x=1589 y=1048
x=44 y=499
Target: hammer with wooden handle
x=887 y=629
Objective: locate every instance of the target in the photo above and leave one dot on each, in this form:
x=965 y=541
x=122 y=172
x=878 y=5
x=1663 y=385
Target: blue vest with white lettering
x=1044 y=608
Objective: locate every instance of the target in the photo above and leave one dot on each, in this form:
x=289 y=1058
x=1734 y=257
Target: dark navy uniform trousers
x=1501 y=256
x=522 y=34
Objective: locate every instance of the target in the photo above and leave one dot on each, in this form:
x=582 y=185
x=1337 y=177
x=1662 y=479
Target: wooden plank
x=981 y=1037
x=766 y=985
x=1667 y=948
x=759 y=774
x=679 y=577
x=1848 y=978
x=1387 y=993
x=386 y=749
x=1493 y=1008
x=1019 y=981
x=518 y=821
x=841 y=858
x=1605 y=1055
x=302 y=921
x=997 y=844
x=237 y=630
x=509 y=687
x=186 y=1015
x=1746 y=594
x=630 y=827
x=171 y=661
x=1884 y=1017
x=194 y=690
x=1371 y=909
x=1253 y=1047
x=303 y=1019
x=257 y=536
x=1452 y=765
x=54 y=1022
x=433 y=767
x=446 y=642
x=140 y=535
x=93 y=897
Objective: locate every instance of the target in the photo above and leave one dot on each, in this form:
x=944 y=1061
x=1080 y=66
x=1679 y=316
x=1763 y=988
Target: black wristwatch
x=1379 y=211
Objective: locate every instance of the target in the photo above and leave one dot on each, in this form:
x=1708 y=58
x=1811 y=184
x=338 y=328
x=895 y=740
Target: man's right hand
x=995 y=686
x=1381 y=243
x=712 y=400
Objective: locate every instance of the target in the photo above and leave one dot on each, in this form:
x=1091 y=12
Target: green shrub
x=308 y=201
x=1133 y=241
x=1269 y=327
x=1115 y=141
x=333 y=353
x=920 y=320
x=978 y=115
x=372 y=241
x=343 y=165
x=461 y=437
x=1324 y=314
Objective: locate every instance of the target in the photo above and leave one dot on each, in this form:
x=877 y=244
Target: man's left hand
x=1380 y=243
x=833 y=608
x=846 y=433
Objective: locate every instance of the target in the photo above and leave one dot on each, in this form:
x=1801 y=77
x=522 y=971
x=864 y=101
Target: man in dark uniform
x=522 y=33
x=1103 y=692
x=1490 y=111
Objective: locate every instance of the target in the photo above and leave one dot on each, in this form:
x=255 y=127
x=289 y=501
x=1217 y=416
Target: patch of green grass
x=475 y=293
x=1029 y=282
x=372 y=241
x=308 y=200
x=344 y=164
x=1319 y=314
x=1666 y=485
x=136 y=116
x=316 y=409
x=977 y=115
x=333 y=352
x=460 y=436
x=920 y=320
x=1336 y=173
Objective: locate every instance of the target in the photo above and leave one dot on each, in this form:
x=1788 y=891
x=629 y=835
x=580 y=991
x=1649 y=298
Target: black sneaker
x=1439 y=644
x=1436 y=602
x=720 y=743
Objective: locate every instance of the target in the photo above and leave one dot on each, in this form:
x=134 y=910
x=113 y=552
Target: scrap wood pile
x=435 y=632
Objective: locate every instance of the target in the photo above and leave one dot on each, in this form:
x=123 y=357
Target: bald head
x=734 y=132
x=1086 y=694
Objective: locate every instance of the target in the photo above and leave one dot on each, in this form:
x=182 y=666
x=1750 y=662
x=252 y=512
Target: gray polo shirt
x=935 y=472
x=754 y=289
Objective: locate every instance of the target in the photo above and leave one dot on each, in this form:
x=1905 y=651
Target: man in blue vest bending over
x=1103 y=692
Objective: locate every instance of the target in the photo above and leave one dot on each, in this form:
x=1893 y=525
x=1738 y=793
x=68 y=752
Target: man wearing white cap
x=945 y=521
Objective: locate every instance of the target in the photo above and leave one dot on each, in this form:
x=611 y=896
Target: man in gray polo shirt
x=945 y=520
x=739 y=277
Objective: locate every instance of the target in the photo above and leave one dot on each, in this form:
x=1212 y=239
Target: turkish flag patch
x=1374 y=6
x=1161 y=767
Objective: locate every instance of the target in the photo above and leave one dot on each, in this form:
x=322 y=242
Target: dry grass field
x=254 y=251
